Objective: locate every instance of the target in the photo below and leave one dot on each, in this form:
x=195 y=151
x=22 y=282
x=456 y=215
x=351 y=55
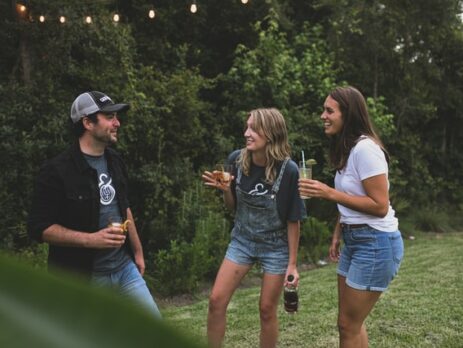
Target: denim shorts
x=272 y=252
x=370 y=258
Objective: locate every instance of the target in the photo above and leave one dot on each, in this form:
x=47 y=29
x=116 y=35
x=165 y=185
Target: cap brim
x=115 y=108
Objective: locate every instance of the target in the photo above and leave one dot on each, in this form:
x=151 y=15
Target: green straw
x=303 y=159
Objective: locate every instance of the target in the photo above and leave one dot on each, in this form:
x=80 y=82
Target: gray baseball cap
x=90 y=102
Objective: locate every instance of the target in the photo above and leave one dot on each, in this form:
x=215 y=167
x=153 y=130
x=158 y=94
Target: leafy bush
x=173 y=274
x=431 y=220
x=209 y=245
x=201 y=239
x=314 y=242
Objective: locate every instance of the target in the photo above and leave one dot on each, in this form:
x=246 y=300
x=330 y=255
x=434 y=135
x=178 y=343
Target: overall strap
x=240 y=173
x=276 y=185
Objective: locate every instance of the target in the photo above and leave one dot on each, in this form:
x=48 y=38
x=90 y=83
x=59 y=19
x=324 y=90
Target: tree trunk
x=25 y=59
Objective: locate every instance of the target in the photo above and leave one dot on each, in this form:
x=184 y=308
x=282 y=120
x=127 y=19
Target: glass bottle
x=291 y=297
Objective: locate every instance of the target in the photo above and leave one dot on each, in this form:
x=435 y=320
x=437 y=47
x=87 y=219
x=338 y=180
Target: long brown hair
x=269 y=123
x=356 y=122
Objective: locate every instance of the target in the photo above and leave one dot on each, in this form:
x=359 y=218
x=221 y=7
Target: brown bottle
x=290 y=296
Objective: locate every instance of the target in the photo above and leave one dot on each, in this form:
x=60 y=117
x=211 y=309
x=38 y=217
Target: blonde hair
x=270 y=124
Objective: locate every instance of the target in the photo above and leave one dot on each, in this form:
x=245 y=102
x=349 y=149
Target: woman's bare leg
x=227 y=280
x=270 y=294
x=354 y=307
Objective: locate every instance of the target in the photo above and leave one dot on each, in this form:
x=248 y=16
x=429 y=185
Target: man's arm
x=135 y=243
x=110 y=237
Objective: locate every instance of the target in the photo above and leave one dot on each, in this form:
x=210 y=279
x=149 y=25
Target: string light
x=116 y=17
x=193 y=7
x=22 y=11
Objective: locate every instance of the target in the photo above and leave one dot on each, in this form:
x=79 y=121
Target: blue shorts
x=370 y=259
x=272 y=253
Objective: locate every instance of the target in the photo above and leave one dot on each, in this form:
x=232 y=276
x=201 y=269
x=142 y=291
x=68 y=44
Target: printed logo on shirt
x=258 y=190
x=107 y=192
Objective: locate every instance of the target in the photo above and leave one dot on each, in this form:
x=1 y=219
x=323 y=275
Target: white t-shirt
x=366 y=159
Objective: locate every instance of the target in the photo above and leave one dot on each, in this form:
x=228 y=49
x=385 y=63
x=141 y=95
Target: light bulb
x=151 y=14
x=193 y=8
x=22 y=8
x=244 y=1
x=116 y=17
x=42 y=19
x=88 y=19
x=62 y=19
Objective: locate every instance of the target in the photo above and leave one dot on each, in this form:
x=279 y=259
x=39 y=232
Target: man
x=77 y=194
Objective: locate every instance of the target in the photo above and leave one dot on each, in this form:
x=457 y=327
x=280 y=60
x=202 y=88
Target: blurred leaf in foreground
x=38 y=309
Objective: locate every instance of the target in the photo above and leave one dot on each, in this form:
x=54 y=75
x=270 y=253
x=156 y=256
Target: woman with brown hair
x=373 y=246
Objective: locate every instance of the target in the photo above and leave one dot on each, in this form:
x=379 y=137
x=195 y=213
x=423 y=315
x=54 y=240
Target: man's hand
x=140 y=262
x=109 y=237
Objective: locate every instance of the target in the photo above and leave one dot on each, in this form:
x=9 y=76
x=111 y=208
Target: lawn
x=422 y=308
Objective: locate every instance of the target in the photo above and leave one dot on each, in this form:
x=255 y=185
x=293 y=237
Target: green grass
x=422 y=308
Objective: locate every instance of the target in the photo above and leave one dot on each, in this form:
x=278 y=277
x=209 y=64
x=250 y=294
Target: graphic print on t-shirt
x=258 y=190
x=107 y=192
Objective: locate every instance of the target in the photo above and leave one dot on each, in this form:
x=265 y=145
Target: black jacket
x=66 y=193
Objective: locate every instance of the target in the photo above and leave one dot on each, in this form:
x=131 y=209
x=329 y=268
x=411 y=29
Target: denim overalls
x=258 y=233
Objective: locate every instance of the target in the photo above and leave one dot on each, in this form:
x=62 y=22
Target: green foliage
x=23 y=146
x=200 y=242
x=182 y=267
x=35 y=256
x=209 y=244
x=383 y=121
x=410 y=53
x=431 y=220
x=291 y=73
x=173 y=274
x=314 y=241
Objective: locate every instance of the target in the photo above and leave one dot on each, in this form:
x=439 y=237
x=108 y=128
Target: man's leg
x=132 y=284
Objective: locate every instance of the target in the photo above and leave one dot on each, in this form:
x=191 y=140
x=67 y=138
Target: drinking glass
x=116 y=221
x=305 y=172
x=222 y=173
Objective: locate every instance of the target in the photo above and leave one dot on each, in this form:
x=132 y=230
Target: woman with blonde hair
x=268 y=210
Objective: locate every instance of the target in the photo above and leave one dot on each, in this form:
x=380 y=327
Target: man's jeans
x=129 y=282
